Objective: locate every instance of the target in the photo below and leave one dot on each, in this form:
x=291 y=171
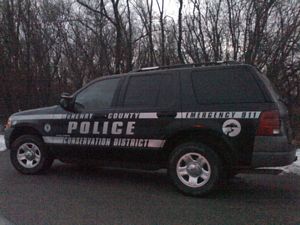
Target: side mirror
x=66 y=101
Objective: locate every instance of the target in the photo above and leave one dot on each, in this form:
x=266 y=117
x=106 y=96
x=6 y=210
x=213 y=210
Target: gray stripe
x=219 y=115
x=152 y=115
x=148 y=115
x=53 y=140
x=152 y=143
x=40 y=117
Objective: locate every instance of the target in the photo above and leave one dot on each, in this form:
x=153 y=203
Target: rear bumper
x=272 y=151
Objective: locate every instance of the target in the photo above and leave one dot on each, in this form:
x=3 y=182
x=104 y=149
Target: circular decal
x=231 y=128
x=47 y=127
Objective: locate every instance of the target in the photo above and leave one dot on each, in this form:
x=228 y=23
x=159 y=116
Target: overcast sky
x=171 y=7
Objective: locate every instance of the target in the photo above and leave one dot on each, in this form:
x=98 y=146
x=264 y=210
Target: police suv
x=202 y=123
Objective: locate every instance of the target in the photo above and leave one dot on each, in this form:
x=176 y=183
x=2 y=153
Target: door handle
x=100 y=117
x=166 y=114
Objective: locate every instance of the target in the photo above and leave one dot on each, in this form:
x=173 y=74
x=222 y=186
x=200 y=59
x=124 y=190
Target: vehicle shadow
x=243 y=187
x=117 y=177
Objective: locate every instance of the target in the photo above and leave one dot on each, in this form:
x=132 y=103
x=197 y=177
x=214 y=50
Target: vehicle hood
x=39 y=111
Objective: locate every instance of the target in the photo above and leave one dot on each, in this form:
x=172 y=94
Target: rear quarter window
x=225 y=86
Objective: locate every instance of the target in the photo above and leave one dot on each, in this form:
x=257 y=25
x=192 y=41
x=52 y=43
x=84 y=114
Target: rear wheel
x=29 y=155
x=194 y=168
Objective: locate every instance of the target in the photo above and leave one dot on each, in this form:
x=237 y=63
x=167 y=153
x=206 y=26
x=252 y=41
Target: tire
x=194 y=168
x=29 y=155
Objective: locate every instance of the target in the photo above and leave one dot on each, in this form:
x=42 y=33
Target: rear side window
x=225 y=87
x=150 y=91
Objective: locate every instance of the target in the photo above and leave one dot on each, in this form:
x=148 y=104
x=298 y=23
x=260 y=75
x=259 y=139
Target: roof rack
x=186 y=65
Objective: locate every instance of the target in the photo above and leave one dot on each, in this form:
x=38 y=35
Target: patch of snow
x=2 y=143
x=293 y=168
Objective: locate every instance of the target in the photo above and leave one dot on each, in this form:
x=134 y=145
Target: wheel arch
x=23 y=130
x=212 y=139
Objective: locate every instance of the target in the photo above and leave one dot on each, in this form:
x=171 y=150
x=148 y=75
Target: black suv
x=202 y=123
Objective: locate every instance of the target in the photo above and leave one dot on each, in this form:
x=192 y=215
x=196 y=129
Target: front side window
x=97 y=96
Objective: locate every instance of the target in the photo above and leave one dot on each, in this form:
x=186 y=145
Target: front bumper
x=7 y=136
x=272 y=151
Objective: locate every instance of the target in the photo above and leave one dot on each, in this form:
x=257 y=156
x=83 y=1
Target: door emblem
x=231 y=128
x=47 y=128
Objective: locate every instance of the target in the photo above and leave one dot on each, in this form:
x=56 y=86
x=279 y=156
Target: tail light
x=269 y=123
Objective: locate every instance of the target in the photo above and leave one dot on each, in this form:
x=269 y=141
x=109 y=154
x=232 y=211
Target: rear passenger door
x=148 y=106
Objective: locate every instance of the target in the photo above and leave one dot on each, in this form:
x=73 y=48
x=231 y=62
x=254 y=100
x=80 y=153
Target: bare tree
x=50 y=46
x=146 y=15
x=234 y=10
x=162 y=30
x=179 y=42
x=117 y=23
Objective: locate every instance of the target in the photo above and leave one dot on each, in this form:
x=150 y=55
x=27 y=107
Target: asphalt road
x=72 y=195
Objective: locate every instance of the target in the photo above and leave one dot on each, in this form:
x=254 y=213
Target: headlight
x=8 y=123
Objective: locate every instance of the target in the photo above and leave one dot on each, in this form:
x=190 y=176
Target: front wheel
x=29 y=155
x=194 y=168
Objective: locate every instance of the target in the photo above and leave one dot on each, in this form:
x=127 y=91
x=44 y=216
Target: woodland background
x=52 y=46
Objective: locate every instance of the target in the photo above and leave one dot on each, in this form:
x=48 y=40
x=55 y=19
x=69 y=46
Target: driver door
x=86 y=130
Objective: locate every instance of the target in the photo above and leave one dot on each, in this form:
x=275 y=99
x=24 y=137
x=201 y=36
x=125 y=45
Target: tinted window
x=167 y=92
x=150 y=91
x=97 y=96
x=225 y=86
